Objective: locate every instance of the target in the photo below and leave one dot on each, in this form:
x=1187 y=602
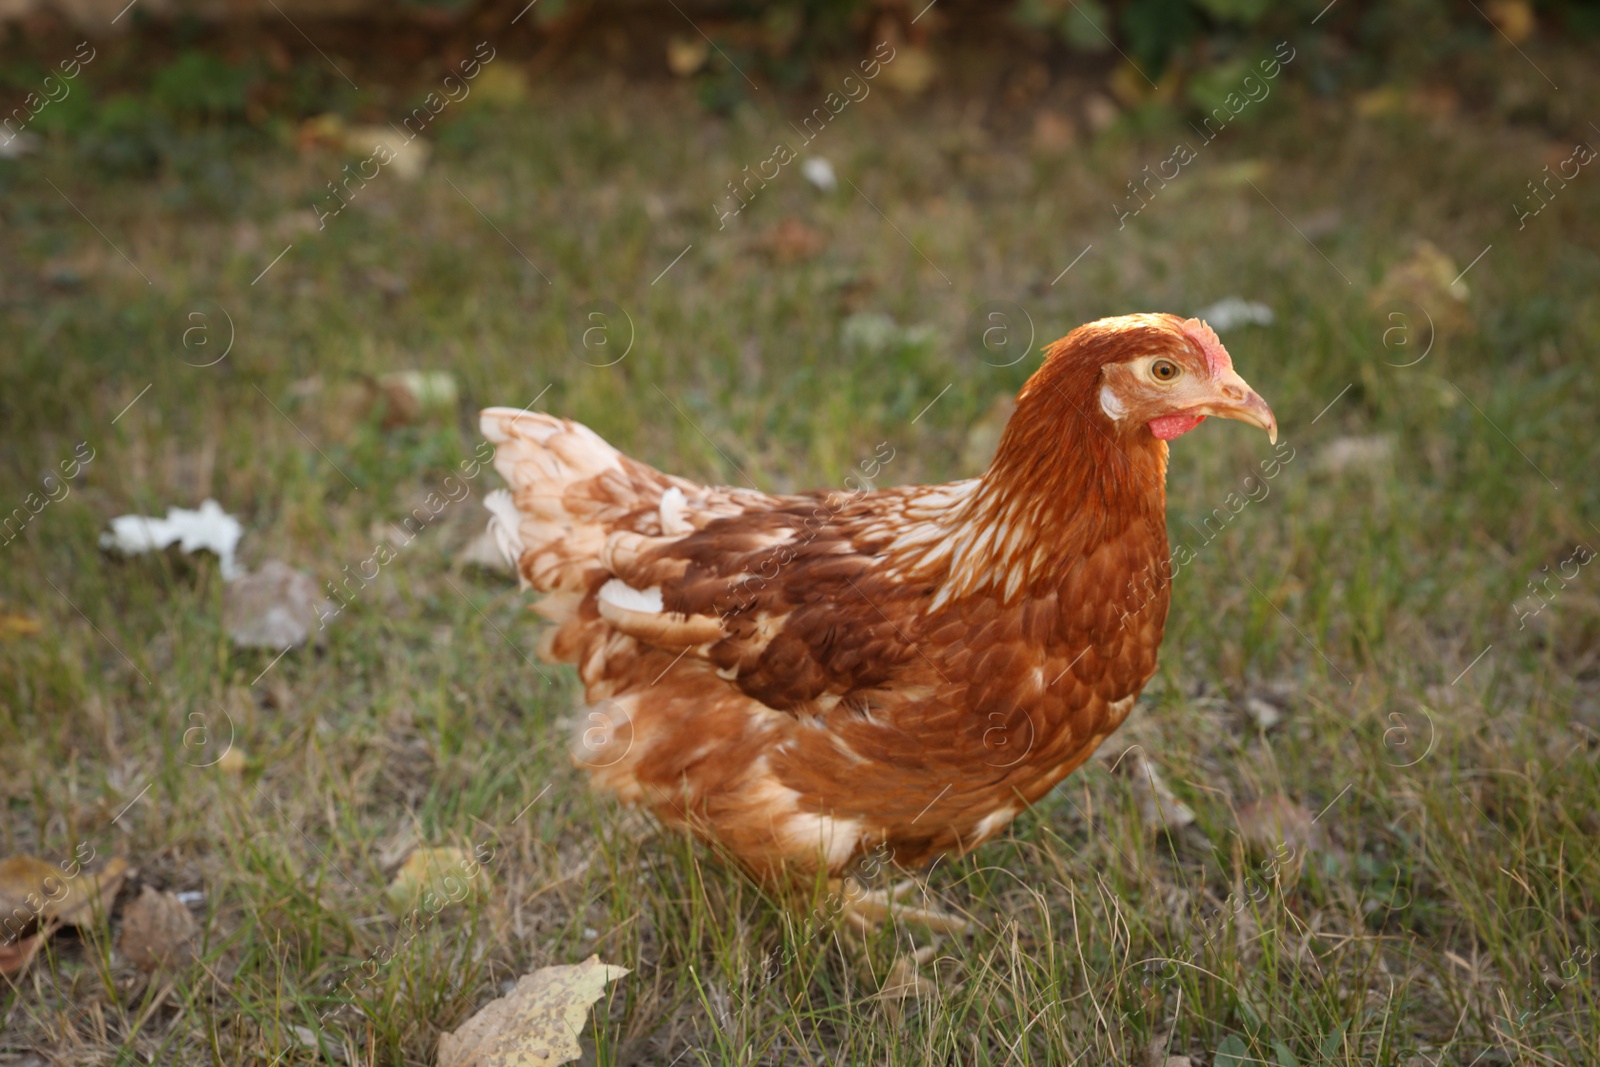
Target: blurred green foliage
x=1202 y=45
x=201 y=86
x=185 y=115
x=1386 y=35
x=194 y=109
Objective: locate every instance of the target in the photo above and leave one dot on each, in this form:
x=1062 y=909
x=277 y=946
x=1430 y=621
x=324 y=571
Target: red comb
x=1204 y=336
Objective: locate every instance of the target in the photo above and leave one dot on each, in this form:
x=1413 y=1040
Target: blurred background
x=276 y=254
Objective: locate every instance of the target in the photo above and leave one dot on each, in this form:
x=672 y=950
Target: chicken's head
x=1163 y=375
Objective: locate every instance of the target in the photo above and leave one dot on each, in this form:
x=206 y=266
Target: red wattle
x=1169 y=426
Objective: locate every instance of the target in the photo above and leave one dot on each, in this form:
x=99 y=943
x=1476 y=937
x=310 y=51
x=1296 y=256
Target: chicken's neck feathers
x=1059 y=488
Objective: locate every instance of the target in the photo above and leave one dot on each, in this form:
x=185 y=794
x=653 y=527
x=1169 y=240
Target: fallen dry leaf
x=26 y=886
x=39 y=897
x=535 y=1025
x=1235 y=175
x=792 y=240
x=1099 y=111
x=434 y=878
x=1053 y=132
x=1514 y=18
x=1159 y=806
x=904 y=981
x=911 y=71
x=17 y=625
x=320 y=131
x=1129 y=85
x=1384 y=100
x=1263 y=713
x=341 y=408
x=31 y=889
x=413 y=395
x=15 y=955
x=1434 y=102
x=686 y=55
x=93 y=893
x=319 y=1040
x=500 y=85
x=158 y=931
x=1277 y=825
x=276 y=607
x=1430 y=279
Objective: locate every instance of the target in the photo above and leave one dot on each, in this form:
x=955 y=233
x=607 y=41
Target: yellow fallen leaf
x=1130 y=86
x=685 y=55
x=1514 y=18
x=36 y=898
x=435 y=878
x=320 y=131
x=1431 y=282
x=1235 y=175
x=19 y=626
x=500 y=85
x=26 y=887
x=911 y=71
x=42 y=890
x=1425 y=274
x=535 y=1025
x=28 y=884
x=1384 y=100
x=93 y=893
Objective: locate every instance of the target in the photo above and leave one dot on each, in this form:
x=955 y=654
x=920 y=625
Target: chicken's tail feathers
x=567 y=487
x=535 y=451
x=505 y=526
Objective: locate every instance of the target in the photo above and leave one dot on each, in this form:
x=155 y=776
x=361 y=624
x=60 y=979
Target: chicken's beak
x=1236 y=400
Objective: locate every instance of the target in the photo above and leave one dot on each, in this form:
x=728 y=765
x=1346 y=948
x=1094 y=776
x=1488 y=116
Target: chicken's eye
x=1164 y=370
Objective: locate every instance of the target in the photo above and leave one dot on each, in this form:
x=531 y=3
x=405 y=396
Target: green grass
x=1448 y=892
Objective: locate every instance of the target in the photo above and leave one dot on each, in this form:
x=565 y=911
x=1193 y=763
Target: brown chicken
x=804 y=679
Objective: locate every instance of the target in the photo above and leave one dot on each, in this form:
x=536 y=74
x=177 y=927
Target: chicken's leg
x=864 y=910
